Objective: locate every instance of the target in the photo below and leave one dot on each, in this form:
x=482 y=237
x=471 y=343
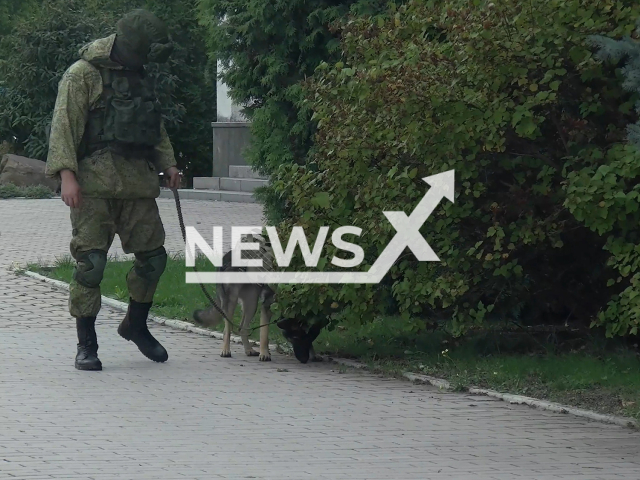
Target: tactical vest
x=127 y=118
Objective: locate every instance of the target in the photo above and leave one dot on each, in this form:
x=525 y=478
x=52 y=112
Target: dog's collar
x=242 y=269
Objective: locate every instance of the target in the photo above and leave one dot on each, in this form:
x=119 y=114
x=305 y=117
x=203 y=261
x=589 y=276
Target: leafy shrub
x=10 y=10
x=45 y=43
x=32 y=60
x=512 y=98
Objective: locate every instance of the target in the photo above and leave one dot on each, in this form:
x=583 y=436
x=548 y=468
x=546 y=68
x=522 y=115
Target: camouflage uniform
x=118 y=186
x=118 y=192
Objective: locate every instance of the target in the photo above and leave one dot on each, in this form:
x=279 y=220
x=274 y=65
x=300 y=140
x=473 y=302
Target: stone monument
x=231 y=132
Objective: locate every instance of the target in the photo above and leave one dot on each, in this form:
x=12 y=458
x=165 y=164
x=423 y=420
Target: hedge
x=544 y=228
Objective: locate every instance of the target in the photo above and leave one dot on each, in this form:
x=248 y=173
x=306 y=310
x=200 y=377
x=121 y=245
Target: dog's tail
x=208 y=318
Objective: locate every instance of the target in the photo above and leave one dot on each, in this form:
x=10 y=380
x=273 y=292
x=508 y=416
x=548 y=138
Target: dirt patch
x=602 y=401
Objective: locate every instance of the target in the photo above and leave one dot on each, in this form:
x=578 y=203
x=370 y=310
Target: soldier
x=107 y=145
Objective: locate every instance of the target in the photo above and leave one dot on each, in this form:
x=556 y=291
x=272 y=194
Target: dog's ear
x=316 y=327
x=287 y=324
x=314 y=331
x=283 y=324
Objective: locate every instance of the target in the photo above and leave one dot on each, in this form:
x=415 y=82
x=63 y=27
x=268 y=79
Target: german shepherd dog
x=248 y=295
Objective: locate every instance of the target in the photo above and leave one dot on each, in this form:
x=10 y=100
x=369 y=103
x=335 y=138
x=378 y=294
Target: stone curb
x=413 y=377
x=512 y=399
x=121 y=306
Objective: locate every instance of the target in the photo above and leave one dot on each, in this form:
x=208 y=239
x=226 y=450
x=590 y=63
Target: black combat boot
x=87 y=357
x=134 y=328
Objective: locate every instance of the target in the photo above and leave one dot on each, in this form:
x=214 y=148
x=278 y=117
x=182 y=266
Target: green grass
x=597 y=374
x=173 y=299
x=13 y=191
x=593 y=373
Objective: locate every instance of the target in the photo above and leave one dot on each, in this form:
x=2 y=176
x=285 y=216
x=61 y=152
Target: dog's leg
x=249 y=302
x=229 y=308
x=265 y=318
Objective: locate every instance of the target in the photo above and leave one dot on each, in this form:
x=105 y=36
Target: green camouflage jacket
x=102 y=174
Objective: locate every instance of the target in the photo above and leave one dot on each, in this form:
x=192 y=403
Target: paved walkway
x=203 y=417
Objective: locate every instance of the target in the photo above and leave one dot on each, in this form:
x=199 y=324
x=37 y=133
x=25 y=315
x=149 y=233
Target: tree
x=627 y=50
x=267 y=49
x=44 y=43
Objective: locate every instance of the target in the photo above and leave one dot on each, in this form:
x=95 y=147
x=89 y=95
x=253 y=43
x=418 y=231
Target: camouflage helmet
x=141 y=37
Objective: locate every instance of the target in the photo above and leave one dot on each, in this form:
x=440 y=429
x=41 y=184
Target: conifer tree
x=626 y=51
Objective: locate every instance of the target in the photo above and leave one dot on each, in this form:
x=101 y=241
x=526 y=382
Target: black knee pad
x=90 y=268
x=151 y=265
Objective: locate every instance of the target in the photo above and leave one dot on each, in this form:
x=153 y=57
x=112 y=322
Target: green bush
x=33 y=57
x=44 y=43
x=10 y=11
x=512 y=98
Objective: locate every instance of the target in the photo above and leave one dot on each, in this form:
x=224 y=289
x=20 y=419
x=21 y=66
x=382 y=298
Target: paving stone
x=199 y=416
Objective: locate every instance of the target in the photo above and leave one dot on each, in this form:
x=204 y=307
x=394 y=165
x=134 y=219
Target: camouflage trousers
x=95 y=224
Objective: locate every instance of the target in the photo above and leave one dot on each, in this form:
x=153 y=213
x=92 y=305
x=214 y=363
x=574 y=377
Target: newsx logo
x=407 y=235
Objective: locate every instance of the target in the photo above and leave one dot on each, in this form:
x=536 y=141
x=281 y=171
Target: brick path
x=202 y=417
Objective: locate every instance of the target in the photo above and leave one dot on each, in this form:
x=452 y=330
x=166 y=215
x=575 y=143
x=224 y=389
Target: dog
x=248 y=295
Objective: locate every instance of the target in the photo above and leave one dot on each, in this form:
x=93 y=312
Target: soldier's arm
x=164 y=157
x=70 y=116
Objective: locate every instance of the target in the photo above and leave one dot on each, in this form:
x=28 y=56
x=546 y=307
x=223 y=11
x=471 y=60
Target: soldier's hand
x=173 y=177
x=70 y=189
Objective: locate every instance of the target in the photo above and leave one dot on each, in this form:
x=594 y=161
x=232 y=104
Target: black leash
x=204 y=290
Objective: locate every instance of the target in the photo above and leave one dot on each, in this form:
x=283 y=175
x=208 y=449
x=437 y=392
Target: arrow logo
x=407 y=235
